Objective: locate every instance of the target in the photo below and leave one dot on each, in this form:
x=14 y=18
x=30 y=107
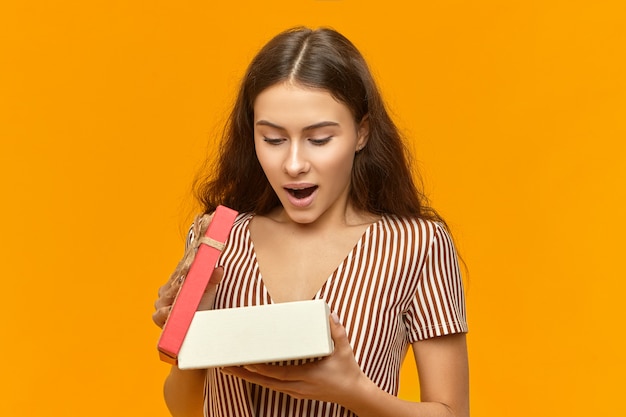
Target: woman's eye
x=320 y=142
x=273 y=141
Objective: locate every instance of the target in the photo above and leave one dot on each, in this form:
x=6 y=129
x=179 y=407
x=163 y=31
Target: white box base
x=258 y=334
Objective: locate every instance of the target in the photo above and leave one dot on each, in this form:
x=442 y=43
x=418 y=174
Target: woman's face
x=306 y=142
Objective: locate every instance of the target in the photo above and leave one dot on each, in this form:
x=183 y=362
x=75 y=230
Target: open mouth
x=301 y=193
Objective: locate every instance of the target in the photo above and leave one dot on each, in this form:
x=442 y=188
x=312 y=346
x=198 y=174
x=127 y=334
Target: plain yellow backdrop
x=515 y=111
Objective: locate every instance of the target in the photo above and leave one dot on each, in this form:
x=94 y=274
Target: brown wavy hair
x=382 y=180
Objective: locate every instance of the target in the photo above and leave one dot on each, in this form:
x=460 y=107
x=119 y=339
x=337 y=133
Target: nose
x=296 y=162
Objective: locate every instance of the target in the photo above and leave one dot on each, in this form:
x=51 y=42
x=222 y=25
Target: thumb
x=208 y=298
x=338 y=333
x=216 y=278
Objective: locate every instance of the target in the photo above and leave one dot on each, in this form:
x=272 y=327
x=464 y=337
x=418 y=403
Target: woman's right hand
x=167 y=294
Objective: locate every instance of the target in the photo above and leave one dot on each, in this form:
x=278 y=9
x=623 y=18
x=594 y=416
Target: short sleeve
x=438 y=307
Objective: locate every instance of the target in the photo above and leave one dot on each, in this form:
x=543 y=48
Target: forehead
x=288 y=104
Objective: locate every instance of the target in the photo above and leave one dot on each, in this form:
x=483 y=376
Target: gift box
x=257 y=334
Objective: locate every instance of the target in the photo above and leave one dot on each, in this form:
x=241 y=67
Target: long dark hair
x=382 y=181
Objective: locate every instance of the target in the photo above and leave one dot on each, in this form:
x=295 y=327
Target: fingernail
x=335 y=317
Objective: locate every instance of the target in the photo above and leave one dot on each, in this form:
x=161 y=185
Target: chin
x=301 y=216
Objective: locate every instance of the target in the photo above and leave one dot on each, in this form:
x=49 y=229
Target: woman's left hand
x=332 y=379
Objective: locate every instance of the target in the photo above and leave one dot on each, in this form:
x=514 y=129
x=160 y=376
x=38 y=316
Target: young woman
x=329 y=210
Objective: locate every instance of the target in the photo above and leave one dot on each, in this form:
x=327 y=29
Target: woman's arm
x=444 y=372
x=444 y=384
x=184 y=390
x=442 y=364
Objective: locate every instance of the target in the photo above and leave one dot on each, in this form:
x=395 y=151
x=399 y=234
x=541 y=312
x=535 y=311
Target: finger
x=257 y=376
x=243 y=373
x=274 y=372
x=166 y=297
x=159 y=317
x=163 y=289
x=278 y=372
x=208 y=298
x=216 y=278
x=338 y=333
x=294 y=388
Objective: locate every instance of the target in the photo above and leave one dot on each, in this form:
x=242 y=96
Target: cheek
x=340 y=166
x=269 y=163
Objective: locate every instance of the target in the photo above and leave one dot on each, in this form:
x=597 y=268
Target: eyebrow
x=310 y=127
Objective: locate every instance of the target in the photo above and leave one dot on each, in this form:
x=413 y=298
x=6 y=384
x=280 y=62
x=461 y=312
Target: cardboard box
x=258 y=334
x=192 y=288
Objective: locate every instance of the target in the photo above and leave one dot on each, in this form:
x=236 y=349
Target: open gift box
x=236 y=336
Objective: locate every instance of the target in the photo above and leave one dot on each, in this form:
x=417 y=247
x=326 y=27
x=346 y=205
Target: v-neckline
x=350 y=255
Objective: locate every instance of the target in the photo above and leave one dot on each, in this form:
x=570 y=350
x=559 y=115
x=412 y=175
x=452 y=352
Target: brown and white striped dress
x=399 y=284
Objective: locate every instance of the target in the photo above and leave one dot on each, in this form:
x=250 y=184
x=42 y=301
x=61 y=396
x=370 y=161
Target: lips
x=301 y=195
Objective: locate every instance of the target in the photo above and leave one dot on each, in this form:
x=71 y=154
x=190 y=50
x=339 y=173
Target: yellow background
x=515 y=110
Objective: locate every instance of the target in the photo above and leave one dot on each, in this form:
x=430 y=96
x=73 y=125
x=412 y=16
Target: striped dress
x=399 y=284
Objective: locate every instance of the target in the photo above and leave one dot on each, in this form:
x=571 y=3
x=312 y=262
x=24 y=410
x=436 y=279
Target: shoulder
x=243 y=218
x=416 y=234
x=418 y=227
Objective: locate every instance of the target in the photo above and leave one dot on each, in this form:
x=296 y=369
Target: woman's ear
x=363 y=131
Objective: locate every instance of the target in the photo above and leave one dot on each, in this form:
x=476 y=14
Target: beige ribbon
x=212 y=243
